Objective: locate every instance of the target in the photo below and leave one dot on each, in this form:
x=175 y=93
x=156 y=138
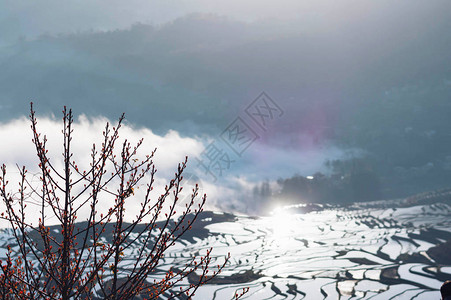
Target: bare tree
x=85 y=260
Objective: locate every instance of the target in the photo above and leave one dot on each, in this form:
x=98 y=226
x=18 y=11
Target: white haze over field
x=232 y=191
x=18 y=150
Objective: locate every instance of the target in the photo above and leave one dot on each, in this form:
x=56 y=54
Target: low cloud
x=18 y=150
x=232 y=191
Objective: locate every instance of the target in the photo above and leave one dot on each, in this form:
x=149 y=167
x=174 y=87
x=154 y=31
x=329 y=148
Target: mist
x=350 y=86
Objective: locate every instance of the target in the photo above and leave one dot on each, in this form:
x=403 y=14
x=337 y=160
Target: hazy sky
x=183 y=71
x=30 y=18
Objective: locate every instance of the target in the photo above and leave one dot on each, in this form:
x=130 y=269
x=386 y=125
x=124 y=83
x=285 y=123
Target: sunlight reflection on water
x=322 y=254
x=337 y=252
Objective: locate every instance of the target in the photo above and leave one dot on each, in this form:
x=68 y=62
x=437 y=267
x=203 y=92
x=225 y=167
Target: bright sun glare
x=282 y=224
